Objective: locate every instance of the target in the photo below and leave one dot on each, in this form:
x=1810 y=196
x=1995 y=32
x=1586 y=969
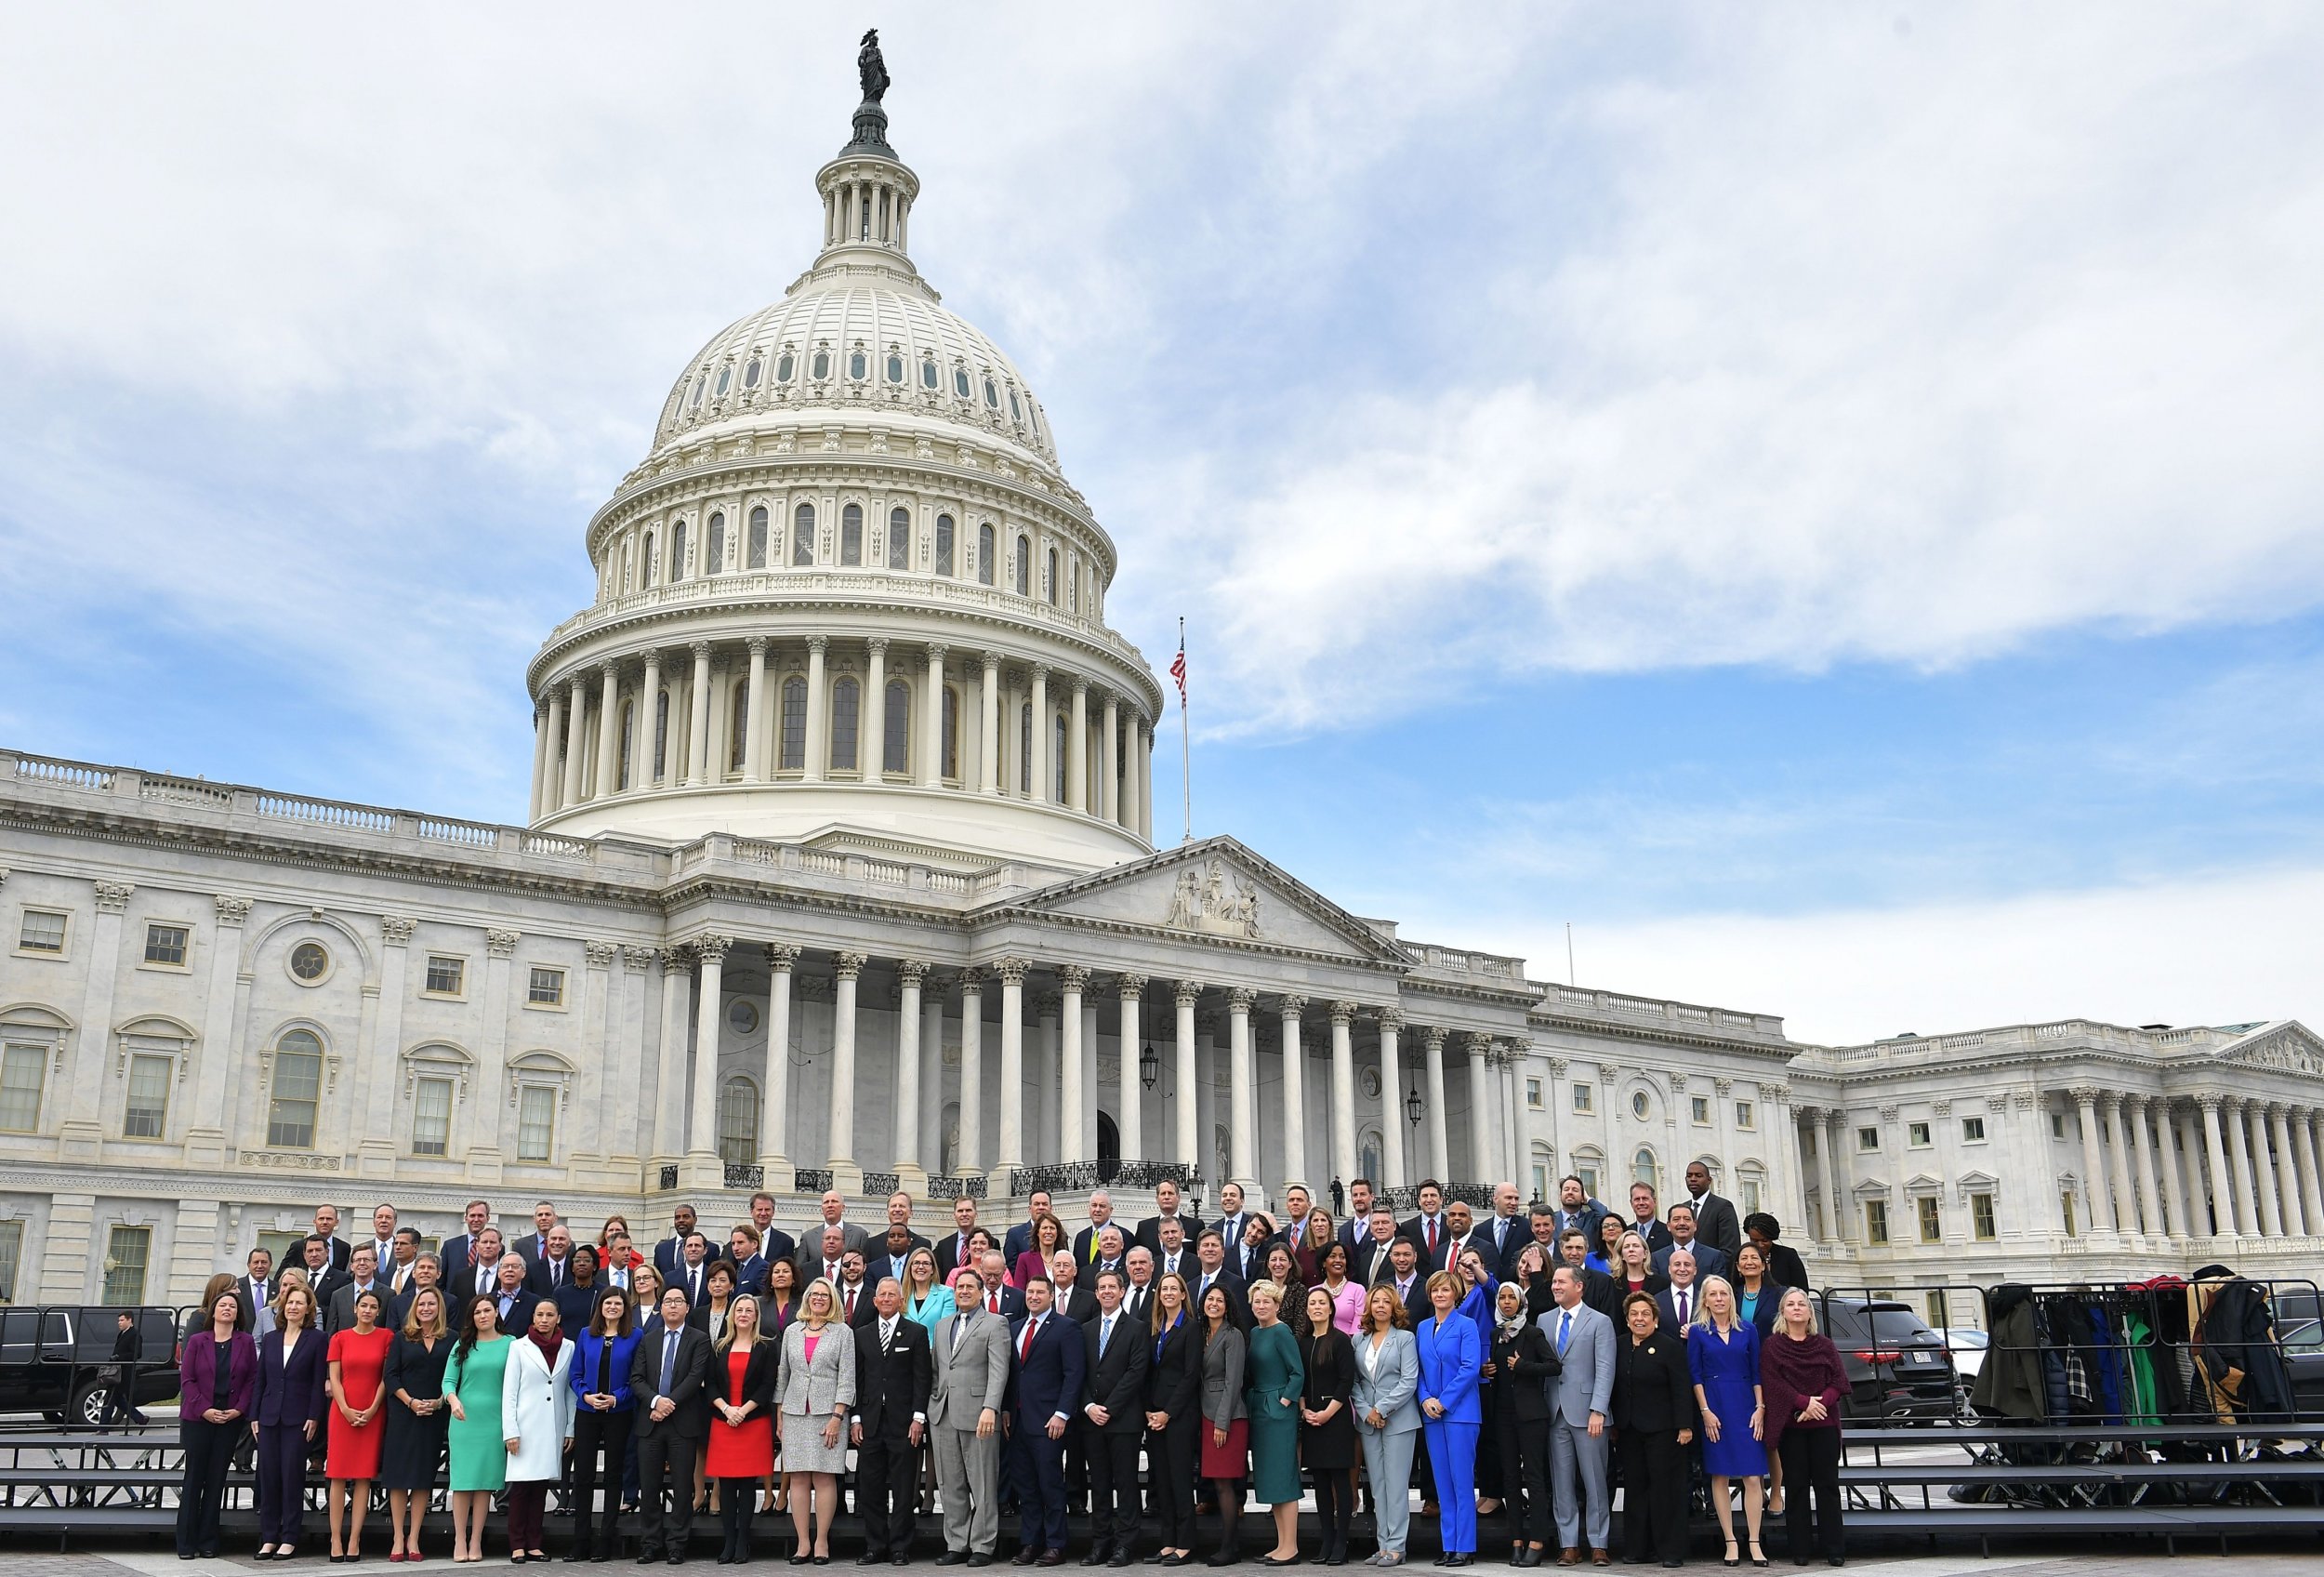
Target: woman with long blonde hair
x=416 y=1420
x=816 y=1386
x=744 y=1364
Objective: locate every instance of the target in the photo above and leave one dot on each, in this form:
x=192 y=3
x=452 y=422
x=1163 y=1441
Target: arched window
x=726 y=377
x=952 y=731
x=1073 y=583
x=852 y=534
x=845 y=703
x=895 y=367
x=985 y=554
x=738 y=1121
x=1048 y=577
x=661 y=736
x=756 y=541
x=677 y=552
x=803 y=535
x=927 y=372
x=295 y=1092
x=857 y=368
x=820 y=368
x=992 y=395
x=628 y=565
x=943 y=544
x=738 y=725
x=1057 y=762
x=714 y=545
x=1643 y=1169
x=895 y=750
x=793 y=724
x=961 y=381
x=628 y=733
x=750 y=373
x=899 y=539
x=1024 y=571
x=651 y=560
x=783 y=367
x=1024 y=748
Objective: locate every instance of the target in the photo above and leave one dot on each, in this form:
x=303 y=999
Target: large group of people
x=1518 y=1366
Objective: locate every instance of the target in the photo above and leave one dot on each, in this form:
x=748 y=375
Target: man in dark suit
x=1682 y=1300
x=1646 y=1218
x=514 y=1298
x=256 y=1286
x=1020 y=1237
x=327 y=1228
x=673 y=1419
x=1232 y=1217
x=1292 y=1229
x=1068 y=1294
x=1429 y=1230
x=1368 y=1260
x=691 y=1275
x=773 y=1243
x=553 y=1268
x=1101 y=1216
x=480 y=1273
x=750 y=1266
x=1599 y=1291
x=383 y=1237
x=1715 y=1221
x=823 y=1255
x=1176 y=1253
x=999 y=1297
x=899 y=1216
x=1505 y=1232
x=672 y=1249
x=1406 y=1275
x=810 y=1247
x=1138 y=1296
x=1577 y=1210
x=1116 y=1357
x=893 y=1370
x=950 y=1247
x=363 y=1278
x=857 y=1309
x=457 y=1249
x=1708 y=1261
x=888 y=1256
x=1212 y=1271
x=1051 y=1367
x=1166 y=1202
x=1358 y=1226
x=1462 y=1223
x=1108 y=1251
x=323 y=1278
x=533 y=1245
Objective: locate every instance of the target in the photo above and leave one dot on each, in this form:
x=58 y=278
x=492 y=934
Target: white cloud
x=1899 y=347
x=2215 y=950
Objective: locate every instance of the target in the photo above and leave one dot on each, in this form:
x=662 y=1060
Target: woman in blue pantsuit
x=1452 y=1361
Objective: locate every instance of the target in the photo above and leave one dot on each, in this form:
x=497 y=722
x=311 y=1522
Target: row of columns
x=566 y=773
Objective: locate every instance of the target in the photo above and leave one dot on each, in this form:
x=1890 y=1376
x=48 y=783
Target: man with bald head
x=811 y=1246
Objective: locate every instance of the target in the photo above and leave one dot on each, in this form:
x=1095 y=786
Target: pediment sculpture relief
x=1214 y=902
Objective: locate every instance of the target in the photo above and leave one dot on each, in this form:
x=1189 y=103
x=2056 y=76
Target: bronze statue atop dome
x=872 y=67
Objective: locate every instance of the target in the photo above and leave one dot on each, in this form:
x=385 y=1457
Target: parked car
x=57 y=1360
x=1967 y=1344
x=2299 y=1315
x=1897 y=1367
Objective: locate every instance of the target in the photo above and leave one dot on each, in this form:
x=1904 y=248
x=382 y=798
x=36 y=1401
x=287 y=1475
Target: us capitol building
x=839 y=871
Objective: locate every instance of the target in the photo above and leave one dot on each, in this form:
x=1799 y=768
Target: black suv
x=1897 y=1367
x=57 y=1360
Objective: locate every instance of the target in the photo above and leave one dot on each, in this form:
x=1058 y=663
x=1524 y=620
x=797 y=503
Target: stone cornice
x=1660 y=1034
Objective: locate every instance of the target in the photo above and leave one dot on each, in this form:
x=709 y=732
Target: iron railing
x=745 y=1174
x=1080 y=1176
x=811 y=1180
x=950 y=1186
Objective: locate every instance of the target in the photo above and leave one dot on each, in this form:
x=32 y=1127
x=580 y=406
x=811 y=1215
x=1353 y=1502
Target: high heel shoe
x=1730 y=1558
x=1757 y=1556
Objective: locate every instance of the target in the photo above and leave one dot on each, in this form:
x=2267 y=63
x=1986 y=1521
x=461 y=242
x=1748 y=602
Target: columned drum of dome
x=830 y=596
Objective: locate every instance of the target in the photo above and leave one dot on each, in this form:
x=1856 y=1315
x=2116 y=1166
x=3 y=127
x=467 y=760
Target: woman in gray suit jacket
x=1225 y=1418
x=1386 y=1401
x=816 y=1387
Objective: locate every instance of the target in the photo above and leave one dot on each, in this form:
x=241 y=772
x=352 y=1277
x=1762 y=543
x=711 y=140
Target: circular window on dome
x=960 y=382
x=311 y=964
x=857 y=368
x=743 y=1017
x=1639 y=1105
x=992 y=394
x=895 y=368
x=928 y=374
x=820 y=367
x=784 y=368
x=726 y=376
x=750 y=373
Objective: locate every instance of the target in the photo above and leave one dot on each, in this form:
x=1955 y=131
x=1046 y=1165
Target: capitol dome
x=847 y=599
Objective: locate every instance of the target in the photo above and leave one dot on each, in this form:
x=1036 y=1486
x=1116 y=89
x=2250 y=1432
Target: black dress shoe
x=899 y=1558
x=980 y=1560
x=647 y=1557
x=1121 y=1558
x=1051 y=1557
x=871 y=1558
x=953 y=1558
x=600 y=1557
x=674 y=1558
x=1024 y=1557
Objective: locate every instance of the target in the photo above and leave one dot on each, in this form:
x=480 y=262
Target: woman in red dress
x=359 y=1360
x=741 y=1452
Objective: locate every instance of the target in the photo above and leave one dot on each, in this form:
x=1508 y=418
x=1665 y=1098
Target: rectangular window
x=794 y=756
x=1876 y=1222
x=166 y=944
x=548 y=989
x=2066 y=1208
x=846 y=701
x=126 y=1250
x=290 y=1115
x=1533 y=1099
x=1932 y=1226
x=2057 y=1126
x=1588 y=1176
x=896 y=724
x=446 y=976
x=431 y=1117
x=1699 y=1108
x=146 y=1114
x=1583 y=1098
x=11 y=1255
x=1973 y=1129
x=43 y=933
x=536 y=1121
x=1917 y=1135
x=23 y=1070
x=1751 y=1194
x=1868 y=1138
x=1981 y=1217
x=1744 y=1116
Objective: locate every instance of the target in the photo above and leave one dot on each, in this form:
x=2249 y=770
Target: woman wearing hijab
x=1521 y=1361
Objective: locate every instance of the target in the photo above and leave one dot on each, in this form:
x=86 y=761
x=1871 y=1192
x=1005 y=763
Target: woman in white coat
x=536 y=1405
x=1386 y=1401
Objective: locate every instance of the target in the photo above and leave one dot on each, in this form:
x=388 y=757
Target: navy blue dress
x=1728 y=1372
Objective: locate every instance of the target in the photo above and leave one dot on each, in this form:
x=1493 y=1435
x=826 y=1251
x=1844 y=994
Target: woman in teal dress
x=1274 y=1380
x=472 y=1385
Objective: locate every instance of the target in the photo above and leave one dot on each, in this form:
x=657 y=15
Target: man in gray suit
x=964 y=1401
x=363 y=1278
x=1579 y=1396
x=810 y=1247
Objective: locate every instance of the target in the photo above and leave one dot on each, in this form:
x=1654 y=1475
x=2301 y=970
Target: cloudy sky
x=1827 y=500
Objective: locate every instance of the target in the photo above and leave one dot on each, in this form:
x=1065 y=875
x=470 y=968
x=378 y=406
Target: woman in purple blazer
x=217 y=1385
x=291 y=1407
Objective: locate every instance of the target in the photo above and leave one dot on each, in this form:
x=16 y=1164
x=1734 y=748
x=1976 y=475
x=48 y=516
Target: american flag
x=1178 y=670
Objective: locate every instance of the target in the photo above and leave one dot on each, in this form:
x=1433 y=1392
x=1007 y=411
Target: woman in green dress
x=472 y=1384
x=1274 y=1380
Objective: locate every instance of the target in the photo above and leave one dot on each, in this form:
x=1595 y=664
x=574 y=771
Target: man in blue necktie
x=666 y=1379
x=1118 y=1356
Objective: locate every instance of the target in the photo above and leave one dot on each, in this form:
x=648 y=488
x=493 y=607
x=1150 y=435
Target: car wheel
x=87 y=1408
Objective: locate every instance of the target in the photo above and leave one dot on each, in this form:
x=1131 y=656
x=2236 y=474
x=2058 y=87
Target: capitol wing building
x=839 y=873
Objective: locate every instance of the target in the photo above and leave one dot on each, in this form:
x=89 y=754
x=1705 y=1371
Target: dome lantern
x=867 y=191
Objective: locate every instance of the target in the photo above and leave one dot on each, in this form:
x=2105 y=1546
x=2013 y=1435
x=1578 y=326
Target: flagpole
x=1186 y=735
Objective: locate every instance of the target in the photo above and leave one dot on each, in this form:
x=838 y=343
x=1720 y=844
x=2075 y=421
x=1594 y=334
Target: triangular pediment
x=1216 y=888
x=2286 y=1044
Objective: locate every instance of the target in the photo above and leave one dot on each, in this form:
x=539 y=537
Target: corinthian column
x=1242 y=1133
x=2303 y=1147
x=988 y=727
x=545 y=720
x=1342 y=1091
x=1189 y=1079
x=576 y=739
x=910 y=1178
x=705 y=1168
x=818 y=710
x=1042 y=727
x=2142 y=1151
x=1072 y=1098
x=1109 y=776
x=1391 y=1100
x=2283 y=1184
x=2221 y=1212
x=1077 y=749
x=645 y=754
x=608 y=731
x=774 y=1098
x=698 y=727
x=1130 y=1126
x=2262 y=1171
x=755 y=723
x=1480 y=1048
x=1012 y=1156
x=846 y=1175
x=972 y=1148
x=2125 y=1202
x=1439 y=1147
x=872 y=744
x=2094 y=1201
x=1294 y=1096
x=2247 y=1216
